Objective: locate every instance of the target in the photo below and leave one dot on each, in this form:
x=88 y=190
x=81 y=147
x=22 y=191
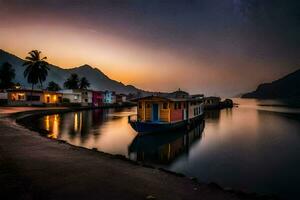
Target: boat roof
x=165 y=98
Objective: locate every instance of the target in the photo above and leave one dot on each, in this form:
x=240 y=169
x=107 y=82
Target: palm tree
x=7 y=74
x=52 y=86
x=84 y=83
x=36 y=68
x=72 y=82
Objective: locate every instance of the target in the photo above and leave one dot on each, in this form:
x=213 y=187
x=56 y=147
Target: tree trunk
x=31 y=94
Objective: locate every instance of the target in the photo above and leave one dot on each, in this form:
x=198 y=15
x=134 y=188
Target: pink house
x=97 y=99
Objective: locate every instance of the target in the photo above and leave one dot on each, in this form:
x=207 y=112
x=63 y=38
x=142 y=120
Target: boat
x=161 y=113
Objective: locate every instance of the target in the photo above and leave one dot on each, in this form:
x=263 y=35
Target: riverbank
x=35 y=167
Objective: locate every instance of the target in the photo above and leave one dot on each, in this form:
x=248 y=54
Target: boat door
x=155 y=112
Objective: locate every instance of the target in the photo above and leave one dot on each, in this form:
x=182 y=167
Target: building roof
x=34 y=91
x=24 y=90
x=52 y=92
x=70 y=91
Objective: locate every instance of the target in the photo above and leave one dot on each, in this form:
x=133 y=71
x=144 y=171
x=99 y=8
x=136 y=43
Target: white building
x=3 y=98
x=72 y=95
x=80 y=96
x=87 y=97
x=3 y=95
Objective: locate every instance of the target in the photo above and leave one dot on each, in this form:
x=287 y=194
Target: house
x=3 y=97
x=97 y=98
x=24 y=97
x=121 y=98
x=32 y=97
x=78 y=96
x=212 y=102
x=71 y=96
x=109 y=97
x=52 y=97
x=87 y=97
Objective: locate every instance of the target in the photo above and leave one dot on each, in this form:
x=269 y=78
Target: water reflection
x=164 y=148
x=51 y=125
x=213 y=115
x=252 y=147
x=104 y=129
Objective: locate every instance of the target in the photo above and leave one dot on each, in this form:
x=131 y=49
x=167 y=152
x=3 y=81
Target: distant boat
x=164 y=113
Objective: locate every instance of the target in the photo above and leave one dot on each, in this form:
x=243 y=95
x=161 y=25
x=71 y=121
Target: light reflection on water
x=251 y=147
x=101 y=129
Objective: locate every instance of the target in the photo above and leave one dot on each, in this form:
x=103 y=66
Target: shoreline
x=193 y=188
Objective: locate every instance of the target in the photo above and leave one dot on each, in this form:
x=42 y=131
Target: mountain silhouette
x=283 y=88
x=97 y=79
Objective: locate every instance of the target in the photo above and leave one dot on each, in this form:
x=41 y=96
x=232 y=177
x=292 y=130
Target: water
x=253 y=148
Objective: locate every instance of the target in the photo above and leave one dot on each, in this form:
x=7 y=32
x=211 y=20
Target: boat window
x=165 y=105
x=140 y=105
x=175 y=105
x=179 y=105
x=148 y=105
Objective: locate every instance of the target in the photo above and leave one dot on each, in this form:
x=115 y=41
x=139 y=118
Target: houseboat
x=164 y=113
x=212 y=102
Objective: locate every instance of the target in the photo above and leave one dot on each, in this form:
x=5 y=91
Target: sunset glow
x=148 y=49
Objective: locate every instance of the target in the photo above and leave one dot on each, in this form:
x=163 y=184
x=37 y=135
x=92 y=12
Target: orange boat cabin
x=165 y=109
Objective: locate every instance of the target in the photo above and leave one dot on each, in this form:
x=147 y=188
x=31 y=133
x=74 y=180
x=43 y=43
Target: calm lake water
x=251 y=147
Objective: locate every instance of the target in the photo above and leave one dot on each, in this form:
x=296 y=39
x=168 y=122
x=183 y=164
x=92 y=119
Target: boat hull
x=153 y=127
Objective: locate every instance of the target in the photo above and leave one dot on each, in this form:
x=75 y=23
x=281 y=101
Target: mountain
x=97 y=79
x=284 y=88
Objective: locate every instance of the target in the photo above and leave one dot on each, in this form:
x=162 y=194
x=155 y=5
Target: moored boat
x=162 y=113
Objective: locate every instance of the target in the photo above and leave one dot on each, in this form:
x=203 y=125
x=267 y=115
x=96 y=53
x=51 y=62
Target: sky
x=215 y=47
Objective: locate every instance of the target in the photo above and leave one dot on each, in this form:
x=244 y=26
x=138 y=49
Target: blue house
x=109 y=97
